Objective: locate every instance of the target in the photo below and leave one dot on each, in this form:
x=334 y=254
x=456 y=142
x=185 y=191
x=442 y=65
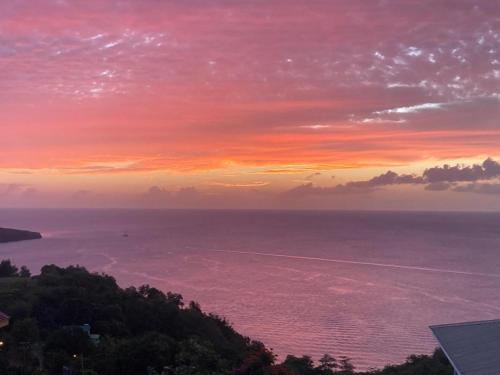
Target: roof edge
x=455 y=367
x=461 y=324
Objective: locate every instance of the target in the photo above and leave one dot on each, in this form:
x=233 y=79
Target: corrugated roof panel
x=473 y=348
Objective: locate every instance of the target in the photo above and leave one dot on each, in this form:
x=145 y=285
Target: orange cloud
x=282 y=88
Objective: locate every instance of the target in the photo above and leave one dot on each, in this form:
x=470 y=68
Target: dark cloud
x=157 y=192
x=491 y=168
x=480 y=188
x=356 y=187
x=436 y=179
x=487 y=170
x=312 y=175
x=438 y=186
x=392 y=178
x=187 y=194
x=12 y=188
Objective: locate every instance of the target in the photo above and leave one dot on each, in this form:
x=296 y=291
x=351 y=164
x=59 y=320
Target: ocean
x=361 y=284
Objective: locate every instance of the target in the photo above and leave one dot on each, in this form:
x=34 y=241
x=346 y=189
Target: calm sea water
x=361 y=284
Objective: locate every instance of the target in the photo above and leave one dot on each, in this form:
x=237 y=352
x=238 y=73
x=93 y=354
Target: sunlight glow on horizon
x=258 y=98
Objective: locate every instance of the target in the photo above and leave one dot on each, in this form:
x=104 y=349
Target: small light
x=74 y=356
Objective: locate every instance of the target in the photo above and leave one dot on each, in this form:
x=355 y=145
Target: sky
x=348 y=104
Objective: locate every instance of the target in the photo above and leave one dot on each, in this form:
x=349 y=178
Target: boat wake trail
x=372 y=264
x=112 y=261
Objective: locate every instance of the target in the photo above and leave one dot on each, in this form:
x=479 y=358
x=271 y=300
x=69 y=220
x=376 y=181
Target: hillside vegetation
x=141 y=331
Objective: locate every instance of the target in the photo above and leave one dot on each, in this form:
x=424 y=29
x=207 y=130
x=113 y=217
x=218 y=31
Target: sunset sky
x=252 y=104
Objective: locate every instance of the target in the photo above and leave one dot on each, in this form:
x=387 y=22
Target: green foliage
x=299 y=366
x=345 y=366
x=7 y=269
x=143 y=331
x=24 y=330
x=258 y=360
x=24 y=272
x=437 y=364
x=327 y=364
x=135 y=355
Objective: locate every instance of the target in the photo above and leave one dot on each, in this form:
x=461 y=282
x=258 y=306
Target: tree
x=25 y=330
x=198 y=355
x=66 y=346
x=151 y=293
x=175 y=298
x=345 y=366
x=195 y=306
x=327 y=364
x=24 y=272
x=258 y=360
x=134 y=356
x=7 y=269
x=299 y=365
x=141 y=330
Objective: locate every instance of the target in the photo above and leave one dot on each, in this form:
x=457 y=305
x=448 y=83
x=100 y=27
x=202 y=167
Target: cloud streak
x=411 y=109
x=142 y=91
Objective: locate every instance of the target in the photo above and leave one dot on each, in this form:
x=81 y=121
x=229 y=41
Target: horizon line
x=488 y=211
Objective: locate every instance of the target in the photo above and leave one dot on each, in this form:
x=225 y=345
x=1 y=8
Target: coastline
x=14 y=235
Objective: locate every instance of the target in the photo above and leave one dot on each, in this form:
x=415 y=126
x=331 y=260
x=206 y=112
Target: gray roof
x=473 y=348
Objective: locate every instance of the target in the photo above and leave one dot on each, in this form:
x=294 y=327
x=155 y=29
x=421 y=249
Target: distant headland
x=11 y=235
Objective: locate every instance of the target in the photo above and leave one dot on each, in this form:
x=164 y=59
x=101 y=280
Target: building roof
x=4 y=316
x=4 y=320
x=473 y=348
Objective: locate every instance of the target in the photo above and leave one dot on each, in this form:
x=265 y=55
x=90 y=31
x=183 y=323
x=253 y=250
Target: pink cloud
x=107 y=87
